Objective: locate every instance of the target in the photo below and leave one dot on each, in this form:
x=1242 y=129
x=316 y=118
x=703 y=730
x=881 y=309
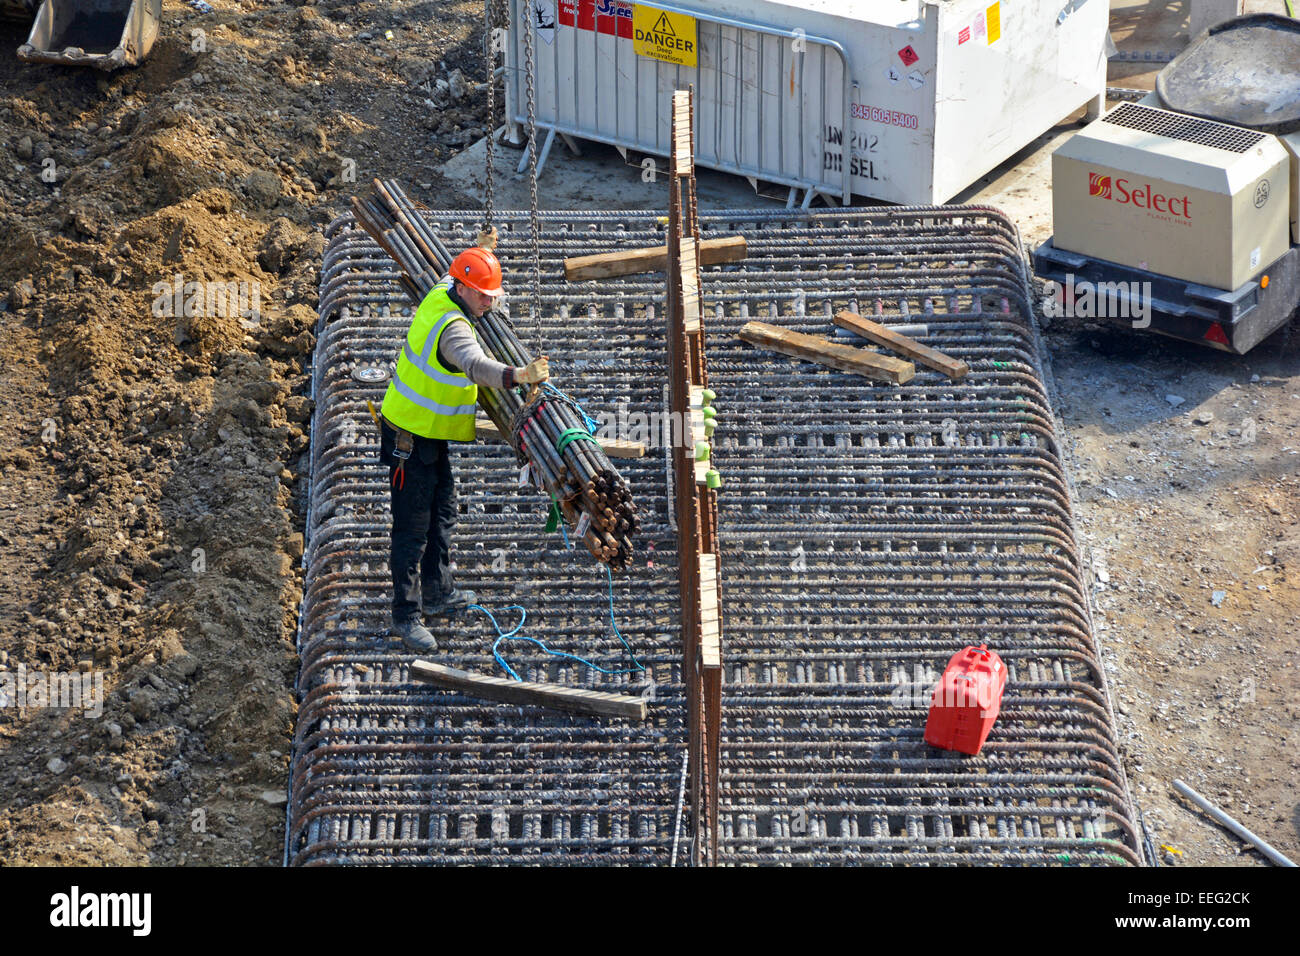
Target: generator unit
x=908 y=101
x=1181 y=212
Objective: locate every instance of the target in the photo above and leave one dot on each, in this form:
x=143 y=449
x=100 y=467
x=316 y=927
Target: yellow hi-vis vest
x=424 y=397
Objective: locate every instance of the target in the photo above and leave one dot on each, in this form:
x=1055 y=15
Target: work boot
x=457 y=600
x=415 y=636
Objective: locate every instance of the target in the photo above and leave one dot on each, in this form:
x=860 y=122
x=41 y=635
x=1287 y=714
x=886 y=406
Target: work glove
x=534 y=373
x=487 y=238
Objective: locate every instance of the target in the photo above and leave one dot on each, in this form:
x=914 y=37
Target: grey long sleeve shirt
x=459 y=350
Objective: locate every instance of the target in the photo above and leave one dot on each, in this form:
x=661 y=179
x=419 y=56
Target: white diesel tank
x=928 y=95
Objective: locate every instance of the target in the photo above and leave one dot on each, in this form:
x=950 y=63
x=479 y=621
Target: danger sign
x=665 y=36
x=908 y=55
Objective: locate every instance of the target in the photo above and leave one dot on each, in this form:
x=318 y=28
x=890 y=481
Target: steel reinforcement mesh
x=868 y=532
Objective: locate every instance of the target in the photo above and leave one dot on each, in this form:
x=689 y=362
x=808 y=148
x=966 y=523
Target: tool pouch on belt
x=403 y=445
x=403 y=441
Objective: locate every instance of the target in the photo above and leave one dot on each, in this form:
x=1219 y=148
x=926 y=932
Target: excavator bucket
x=105 y=34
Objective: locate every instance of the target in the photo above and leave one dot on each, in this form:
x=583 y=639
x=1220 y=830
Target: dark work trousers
x=424 y=517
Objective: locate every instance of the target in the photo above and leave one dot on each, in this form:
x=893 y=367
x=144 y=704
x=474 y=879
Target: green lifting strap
x=570 y=435
x=553 y=519
x=566 y=436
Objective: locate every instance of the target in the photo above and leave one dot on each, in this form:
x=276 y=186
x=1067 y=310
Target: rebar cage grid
x=867 y=533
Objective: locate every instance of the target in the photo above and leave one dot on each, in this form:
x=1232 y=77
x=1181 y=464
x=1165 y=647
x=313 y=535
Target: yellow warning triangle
x=664 y=25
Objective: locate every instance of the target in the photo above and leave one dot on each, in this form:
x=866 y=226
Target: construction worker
x=430 y=402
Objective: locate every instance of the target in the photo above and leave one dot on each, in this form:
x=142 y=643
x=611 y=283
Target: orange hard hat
x=479 y=269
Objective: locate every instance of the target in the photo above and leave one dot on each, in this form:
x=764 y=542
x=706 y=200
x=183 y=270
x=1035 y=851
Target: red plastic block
x=966 y=701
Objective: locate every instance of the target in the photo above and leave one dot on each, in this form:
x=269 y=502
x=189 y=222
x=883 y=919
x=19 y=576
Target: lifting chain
x=533 y=218
x=490 y=54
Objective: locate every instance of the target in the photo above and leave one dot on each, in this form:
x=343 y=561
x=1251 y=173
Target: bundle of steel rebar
x=548 y=431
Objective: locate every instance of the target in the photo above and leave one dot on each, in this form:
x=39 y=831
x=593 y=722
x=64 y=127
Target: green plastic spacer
x=712 y=479
x=709 y=411
x=708 y=395
x=710 y=426
x=701 y=451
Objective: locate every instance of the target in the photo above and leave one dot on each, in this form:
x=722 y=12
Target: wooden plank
x=711 y=644
x=710 y=613
x=710 y=652
x=682 y=158
x=575 y=700
x=691 y=287
x=686 y=255
x=613 y=447
x=814 y=348
x=625 y=262
x=690 y=309
x=682 y=165
x=955 y=369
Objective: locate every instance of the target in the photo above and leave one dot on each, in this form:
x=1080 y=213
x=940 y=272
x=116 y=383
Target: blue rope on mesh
x=514 y=635
x=591 y=423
